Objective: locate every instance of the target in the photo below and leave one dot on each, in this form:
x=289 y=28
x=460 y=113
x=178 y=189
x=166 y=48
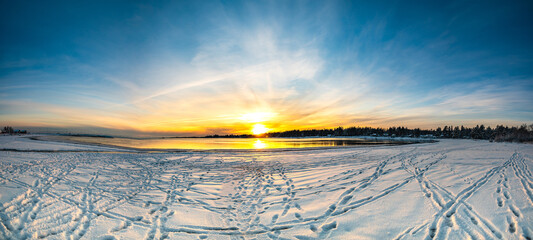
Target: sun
x=259 y=129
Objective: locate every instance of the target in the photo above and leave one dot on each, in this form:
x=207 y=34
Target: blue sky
x=198 y=67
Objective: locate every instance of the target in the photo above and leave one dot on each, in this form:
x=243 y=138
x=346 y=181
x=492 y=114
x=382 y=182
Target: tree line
x=500 y=133
x=11 y=131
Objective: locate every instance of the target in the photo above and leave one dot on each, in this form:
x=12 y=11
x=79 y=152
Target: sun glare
x=257 y=117
x=259 y=129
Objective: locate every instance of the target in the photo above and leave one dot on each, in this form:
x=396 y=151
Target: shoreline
x=64 y=139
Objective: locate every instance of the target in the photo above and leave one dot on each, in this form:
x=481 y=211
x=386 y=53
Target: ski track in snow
x=316 y=194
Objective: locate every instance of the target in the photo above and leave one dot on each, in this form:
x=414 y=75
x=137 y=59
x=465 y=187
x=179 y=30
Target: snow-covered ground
x=452 y=189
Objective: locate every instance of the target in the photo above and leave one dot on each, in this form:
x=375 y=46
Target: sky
x=191 y=68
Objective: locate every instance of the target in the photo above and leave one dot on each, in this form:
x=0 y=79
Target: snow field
x=453 y=189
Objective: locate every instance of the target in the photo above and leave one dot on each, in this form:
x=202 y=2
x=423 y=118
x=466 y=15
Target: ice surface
x=452 y=189
x=29 y=143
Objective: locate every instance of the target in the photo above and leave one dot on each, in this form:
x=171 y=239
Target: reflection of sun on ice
x=258 y=144
x=259 y=129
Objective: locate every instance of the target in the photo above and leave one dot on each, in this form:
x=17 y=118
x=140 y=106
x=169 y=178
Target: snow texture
x=452 y=189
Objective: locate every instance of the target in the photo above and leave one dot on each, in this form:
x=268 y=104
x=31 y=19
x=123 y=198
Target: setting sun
x=259 y=129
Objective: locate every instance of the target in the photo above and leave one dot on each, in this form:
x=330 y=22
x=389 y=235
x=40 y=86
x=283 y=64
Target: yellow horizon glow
x=257 y=117
x=259 y=129
x=224 y=117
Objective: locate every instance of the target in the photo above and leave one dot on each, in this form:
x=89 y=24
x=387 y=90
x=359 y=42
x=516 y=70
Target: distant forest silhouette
x=500 y=133
x=11 y=131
